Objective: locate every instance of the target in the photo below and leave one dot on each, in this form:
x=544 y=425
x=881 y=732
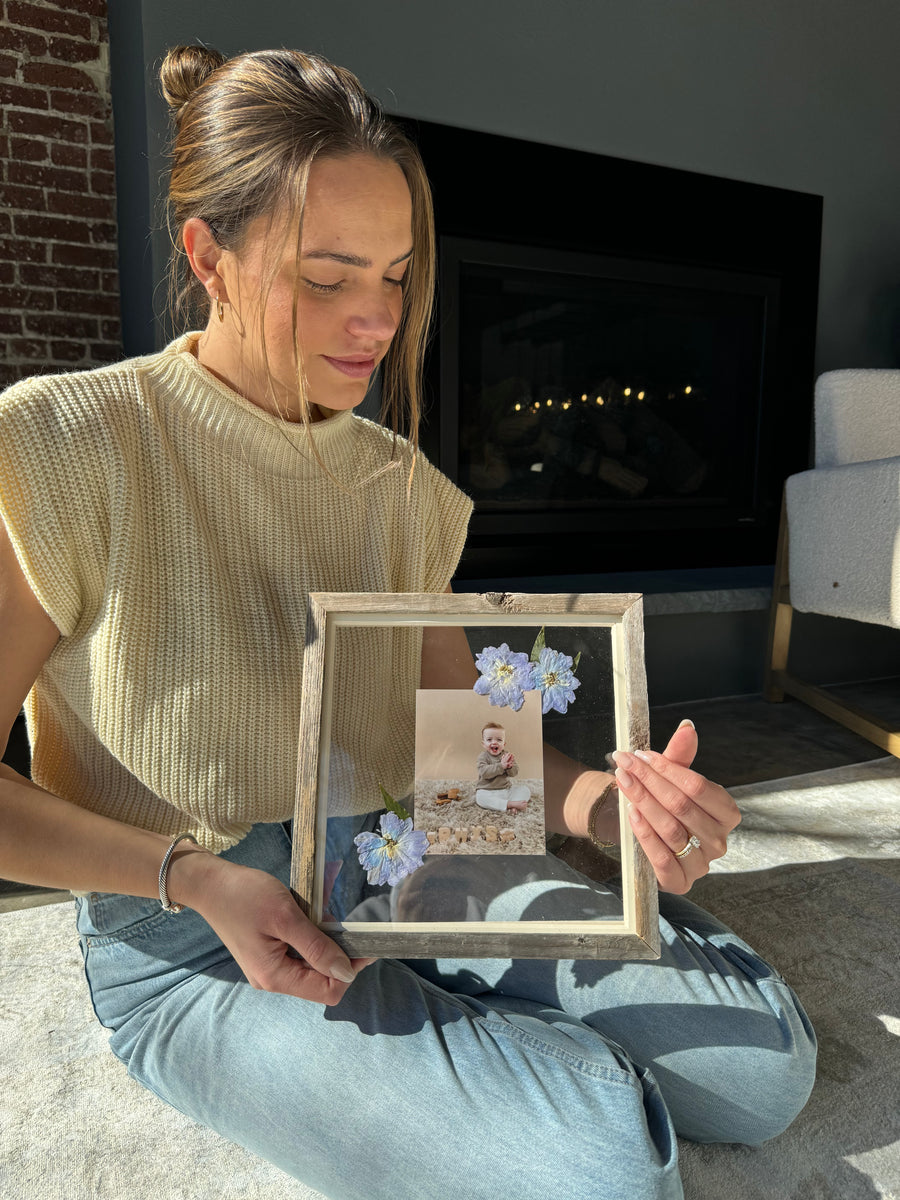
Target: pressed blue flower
x=505 y=676
x=394 y=853
x=554 y=679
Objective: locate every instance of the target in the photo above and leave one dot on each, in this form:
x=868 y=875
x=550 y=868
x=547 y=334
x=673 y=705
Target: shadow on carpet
x=831 y=929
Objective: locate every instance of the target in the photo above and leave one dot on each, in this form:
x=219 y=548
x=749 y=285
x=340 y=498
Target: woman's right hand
x=259 y=921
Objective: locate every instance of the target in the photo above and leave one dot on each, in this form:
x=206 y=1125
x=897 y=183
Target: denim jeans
x=459 y=1080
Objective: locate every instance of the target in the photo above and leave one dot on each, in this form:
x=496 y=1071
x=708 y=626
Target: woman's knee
x=753 y=1094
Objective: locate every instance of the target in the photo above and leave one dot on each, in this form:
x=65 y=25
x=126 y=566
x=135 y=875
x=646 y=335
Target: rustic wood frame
x=636 y=935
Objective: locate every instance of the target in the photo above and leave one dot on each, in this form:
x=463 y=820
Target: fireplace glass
x=587 y=383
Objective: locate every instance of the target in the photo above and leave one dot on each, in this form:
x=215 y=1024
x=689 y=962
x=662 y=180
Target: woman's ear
x=204 y=254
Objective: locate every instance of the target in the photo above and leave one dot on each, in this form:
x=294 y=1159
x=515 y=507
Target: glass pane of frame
x=435 y=731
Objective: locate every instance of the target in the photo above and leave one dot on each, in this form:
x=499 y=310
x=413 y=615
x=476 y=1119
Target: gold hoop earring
x=220 y=309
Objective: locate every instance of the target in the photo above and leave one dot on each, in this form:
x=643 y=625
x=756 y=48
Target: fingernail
x=344 y=974
x=622 y=759
x=687 y=721
x=623 y=779
x=644 y=756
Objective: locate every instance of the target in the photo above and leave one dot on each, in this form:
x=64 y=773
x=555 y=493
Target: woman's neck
x=216 y=352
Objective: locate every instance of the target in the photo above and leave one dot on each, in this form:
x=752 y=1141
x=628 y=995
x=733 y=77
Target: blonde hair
x=247 y=130
x=492 y=725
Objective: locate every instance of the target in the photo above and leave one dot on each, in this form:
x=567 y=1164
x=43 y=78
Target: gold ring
x=693 y=844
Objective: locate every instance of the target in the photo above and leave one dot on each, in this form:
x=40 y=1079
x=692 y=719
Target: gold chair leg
x=846 y=714
x=780 y=617
x=778 y=682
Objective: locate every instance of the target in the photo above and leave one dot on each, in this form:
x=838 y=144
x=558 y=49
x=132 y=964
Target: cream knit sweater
x=172 y=531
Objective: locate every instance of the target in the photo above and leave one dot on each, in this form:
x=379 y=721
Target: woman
x=163 y=522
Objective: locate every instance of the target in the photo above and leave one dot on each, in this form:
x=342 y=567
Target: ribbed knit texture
x=172 y=531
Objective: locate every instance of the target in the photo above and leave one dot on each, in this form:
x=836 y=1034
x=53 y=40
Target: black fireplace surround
x=621 y=372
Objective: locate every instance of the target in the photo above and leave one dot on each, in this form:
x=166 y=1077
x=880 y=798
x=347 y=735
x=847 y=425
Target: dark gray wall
x=800 y=95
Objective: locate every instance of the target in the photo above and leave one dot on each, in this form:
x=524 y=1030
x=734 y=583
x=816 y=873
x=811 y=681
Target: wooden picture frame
x=337 y=621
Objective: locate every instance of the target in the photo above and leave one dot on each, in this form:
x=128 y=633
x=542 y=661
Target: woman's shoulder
x=418 y=471
x=72 y=396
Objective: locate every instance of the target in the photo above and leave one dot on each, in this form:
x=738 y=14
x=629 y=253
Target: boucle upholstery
x=844 y=516
x=857 y=416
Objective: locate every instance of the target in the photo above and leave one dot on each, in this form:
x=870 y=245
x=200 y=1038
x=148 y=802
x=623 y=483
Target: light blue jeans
x=459 y=1080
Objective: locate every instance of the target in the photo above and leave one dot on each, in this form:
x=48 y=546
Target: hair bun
x=183 y=70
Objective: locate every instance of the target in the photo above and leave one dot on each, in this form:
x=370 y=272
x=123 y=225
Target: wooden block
x=507 y=835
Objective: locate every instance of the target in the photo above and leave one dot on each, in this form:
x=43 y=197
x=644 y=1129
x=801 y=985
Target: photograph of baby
x=479 y=774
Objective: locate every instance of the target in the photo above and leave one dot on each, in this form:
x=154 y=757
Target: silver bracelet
x=164 y=873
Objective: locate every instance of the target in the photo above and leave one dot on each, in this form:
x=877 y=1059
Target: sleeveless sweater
x=172 y=531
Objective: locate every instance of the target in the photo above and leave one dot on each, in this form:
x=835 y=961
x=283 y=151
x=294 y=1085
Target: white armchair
x=839 y=543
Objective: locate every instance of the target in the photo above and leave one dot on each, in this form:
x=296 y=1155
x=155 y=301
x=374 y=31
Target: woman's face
x=355 y=251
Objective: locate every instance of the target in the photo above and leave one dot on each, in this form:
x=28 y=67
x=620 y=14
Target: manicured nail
x=623 y=760
x=644 y=756
x=344 y=974
x=687 y=721
x=623 y=779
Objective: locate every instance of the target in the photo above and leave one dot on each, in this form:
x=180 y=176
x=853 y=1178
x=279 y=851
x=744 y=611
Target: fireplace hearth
x=622 y=369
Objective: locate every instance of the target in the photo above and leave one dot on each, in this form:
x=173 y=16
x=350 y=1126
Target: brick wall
x=59 y=287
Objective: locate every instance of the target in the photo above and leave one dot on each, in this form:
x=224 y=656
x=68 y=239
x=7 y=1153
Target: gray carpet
x=812 y=879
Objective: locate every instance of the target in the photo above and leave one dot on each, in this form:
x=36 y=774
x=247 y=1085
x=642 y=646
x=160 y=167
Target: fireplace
x=622 y=368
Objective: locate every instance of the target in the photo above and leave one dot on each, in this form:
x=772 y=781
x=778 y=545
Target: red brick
x=102 y=133
x=4 y=146
x=28 y=149
x=94 y=8
x=7 y=272
x=58 y=75
x=109 y=281
x=24 y=370
x=111 y=330
x=86 y=302
x=84 y=256
x=14 y=96
x=21 y=42
x=103 y=183
x=48 y=20
x=55 y=128
x=10 y=323
x=9 y=64
x=68 y=351
x=64 y=155
x=55 y=276
x=102 y=159
x=27 y=299
x=70 y=50
x=54 y=229
x=104 y=233
x=23 y=251
x=82 y=104
x=64 y=325
x=28 y=198
x=106 y=352
x=8 y=375
x=27 y=348
x=41 y=175
x=75 y=204
x=5 y=222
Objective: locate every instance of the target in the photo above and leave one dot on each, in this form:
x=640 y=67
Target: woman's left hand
x=671 y=805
